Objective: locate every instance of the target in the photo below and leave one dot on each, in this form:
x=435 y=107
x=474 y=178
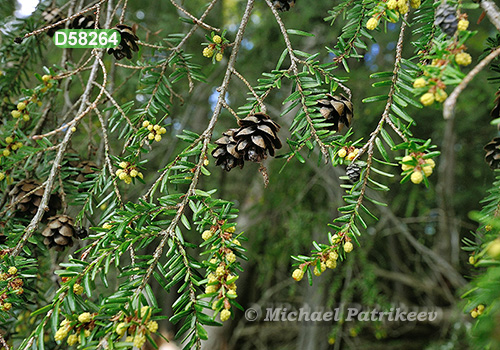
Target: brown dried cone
x=60 y=232
x=127 y=42
x=337 y=110
x=51 y=16
x=283 y=5
x=225 y=153
x=495 y=112
x=493 y=153
x=257 y=135
x=28 y=204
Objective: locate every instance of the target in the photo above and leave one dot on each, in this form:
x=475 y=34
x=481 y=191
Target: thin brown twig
x=195 y=20
x=451 y=101
x=226 y=106
x=242 y=78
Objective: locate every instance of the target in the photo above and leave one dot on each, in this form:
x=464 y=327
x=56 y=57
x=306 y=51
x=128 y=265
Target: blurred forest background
x=412 y=255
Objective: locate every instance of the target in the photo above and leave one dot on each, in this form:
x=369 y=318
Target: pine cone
x=60 y=232
x=337 y=110
x=446 y=18
x=493 y=153
x=85 y=167
x=225 y=153
x=353 y=171
x=51 y=16
x=256 y=136
x=127 y=42
x=495 y=112
x=283 y=5
x=29 y=204
x=83 y=22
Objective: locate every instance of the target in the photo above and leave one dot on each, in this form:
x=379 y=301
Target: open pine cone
x=283 y=5
x=337 y=110
x=51 y=16
x=225 y=153
x=257 y=135
x=85 y=167
x=83 y=22
x=446 y=18
x=29 y=205
x=60 y=232
x=127 y=42
x=492 y=156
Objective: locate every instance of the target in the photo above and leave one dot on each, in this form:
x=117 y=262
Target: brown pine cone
x=283 y=5
x=29 y=204
x=257 y=135
x=60 y=232
x=51 y=16
x=492 y=156
x=337 y=110
x=127 y=42
x=225 y=153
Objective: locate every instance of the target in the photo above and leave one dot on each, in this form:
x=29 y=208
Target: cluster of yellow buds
x=418 y=165
x=21 y=111
x=220 y=280
x=128 y=172
x=137 y=327
x=47 y=82
x=390 y=9
x=10 y=146
x=477 y=311
x=435 y=90
x=348 y=153
x=216 y=48
x=66 y=326
x=155 y=131
x=14 y=286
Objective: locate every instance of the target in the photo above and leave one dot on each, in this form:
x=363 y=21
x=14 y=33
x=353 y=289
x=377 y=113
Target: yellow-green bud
x=333 y=256
x=72 y=339
x=152 y=326
x=208 y=52
x=157 y=137
x=77 y=289
x=85 y=317
x=217 y=39
x=463 y=59
x=207 y=234
x=123 y=165
x=219 y=57
x=21 y=106
x=331 y=264
x=121 y=328
x=134 y=173
x=372 y=23
x=440 y=95
x=463 y=24
x=231 y=257
x=145 y=124
x=392 y=4
x=225 y=315
x=430 y=162
x=348 y=247
x=15 y=113
x=427 y=170
x=46 y=78
x=342 y=153
x=9 y=139
x=417 y=177
x=139 y=340
x=2 y=176
x=427 y=99
x=12 y=270
x=419 y=83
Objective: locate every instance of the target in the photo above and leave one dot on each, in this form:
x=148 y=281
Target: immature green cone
x=127 y=42
x=27 y=205
x=51 y=16
x=446 y=18
x=60 y=232
x=225 y=154
x=257 y=136
x=337 y=110
x=492 y=156
x=283 y=5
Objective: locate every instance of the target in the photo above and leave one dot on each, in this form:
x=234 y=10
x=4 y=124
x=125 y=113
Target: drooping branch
x=492 y=11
